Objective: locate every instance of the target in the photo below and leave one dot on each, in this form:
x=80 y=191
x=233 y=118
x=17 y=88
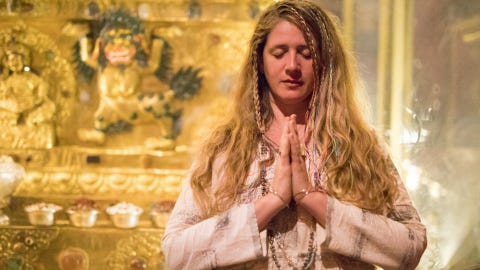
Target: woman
x=295 y=179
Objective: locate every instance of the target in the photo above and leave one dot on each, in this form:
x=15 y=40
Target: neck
x=281 y=110
x=280 y=114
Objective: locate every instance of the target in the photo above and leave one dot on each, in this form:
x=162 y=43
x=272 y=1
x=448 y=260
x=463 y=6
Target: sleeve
x=229 y=238
x=389 y=242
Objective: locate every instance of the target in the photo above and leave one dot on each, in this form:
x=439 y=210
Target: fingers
x=282 y=181
x=295 y=145
x=300 y=178
x=285 y=145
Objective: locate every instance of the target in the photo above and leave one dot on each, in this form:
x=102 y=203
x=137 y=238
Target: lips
x=292 y=83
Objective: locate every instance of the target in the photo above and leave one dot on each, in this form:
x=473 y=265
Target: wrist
x=279 y=197
x=305 y=192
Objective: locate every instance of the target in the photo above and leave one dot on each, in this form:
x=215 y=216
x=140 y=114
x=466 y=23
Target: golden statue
x=25 y=107
x=37 y=90
x=122 y=59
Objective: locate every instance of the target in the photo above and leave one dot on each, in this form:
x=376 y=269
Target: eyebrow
x=285 y=47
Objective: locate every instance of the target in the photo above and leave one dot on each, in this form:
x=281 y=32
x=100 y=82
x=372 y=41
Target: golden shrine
x=102 y=104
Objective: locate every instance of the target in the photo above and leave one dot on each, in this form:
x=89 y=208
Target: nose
x=293 y=66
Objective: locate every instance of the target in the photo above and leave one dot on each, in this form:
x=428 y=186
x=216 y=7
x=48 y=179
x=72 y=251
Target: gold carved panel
x=89 y=120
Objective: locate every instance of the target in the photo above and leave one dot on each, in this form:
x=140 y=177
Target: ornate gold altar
x=104 y=102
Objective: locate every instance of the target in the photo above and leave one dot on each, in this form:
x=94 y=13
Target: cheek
x=308 y=71
x=271 y=74
x=272 y=68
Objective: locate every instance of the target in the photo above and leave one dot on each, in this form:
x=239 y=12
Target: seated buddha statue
x=26 y=111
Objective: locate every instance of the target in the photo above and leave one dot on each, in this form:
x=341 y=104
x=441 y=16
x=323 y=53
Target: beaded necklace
x=274 y=237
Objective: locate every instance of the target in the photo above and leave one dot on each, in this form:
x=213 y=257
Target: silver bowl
x=41 y=217
x=42 y=214
x=11 y=174
x=125 y=220
x=82 y=217
x=124 y=215
x=160 y=212
x=159 y=219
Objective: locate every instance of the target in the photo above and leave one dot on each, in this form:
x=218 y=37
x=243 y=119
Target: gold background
x=127 y=167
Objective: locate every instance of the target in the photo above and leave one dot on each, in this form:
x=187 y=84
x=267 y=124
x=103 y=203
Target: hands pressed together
x=290 y=182
x=291 y=178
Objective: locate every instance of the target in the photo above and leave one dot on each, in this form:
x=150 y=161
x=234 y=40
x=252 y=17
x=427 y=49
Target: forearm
x=208 y=243
x=266 y=208
x=85 y=55
x=315 y=202
x=373 y=238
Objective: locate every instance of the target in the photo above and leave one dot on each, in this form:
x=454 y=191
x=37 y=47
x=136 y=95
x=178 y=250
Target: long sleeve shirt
x=352 y=238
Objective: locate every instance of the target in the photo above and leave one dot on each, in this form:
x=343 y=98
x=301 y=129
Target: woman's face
x=288 y=65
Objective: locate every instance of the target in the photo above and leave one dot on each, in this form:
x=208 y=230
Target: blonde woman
x=295 y=178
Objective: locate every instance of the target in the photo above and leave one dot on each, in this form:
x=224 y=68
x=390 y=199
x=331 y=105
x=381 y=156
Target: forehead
x=285 y=32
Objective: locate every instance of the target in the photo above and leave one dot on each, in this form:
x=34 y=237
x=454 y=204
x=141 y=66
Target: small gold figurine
x=26 y=111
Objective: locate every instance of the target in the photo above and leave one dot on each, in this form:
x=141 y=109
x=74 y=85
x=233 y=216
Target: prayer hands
x=282 y=181
x=291 y=175
x=297 y=156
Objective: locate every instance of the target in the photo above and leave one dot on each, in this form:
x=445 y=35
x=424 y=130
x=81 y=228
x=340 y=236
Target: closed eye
x=305 y=52
x=278 y=52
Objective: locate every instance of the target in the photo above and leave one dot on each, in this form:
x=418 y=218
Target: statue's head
x=118 y=45
x=121 y=40
x=16 y=57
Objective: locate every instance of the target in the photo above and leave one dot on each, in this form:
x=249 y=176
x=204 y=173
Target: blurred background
x=103 y=103
x=419 y=61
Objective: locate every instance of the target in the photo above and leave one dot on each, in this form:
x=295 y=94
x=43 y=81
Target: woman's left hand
x=316 y=204
x=300 y=179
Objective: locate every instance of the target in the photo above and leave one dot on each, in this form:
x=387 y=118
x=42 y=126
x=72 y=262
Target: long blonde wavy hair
x=357 y=168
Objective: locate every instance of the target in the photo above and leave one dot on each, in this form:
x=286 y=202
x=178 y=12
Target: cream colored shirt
x=352 y=238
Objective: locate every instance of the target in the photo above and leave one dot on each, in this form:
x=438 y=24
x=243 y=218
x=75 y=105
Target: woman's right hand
x=280 y=193
x=282 y=179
